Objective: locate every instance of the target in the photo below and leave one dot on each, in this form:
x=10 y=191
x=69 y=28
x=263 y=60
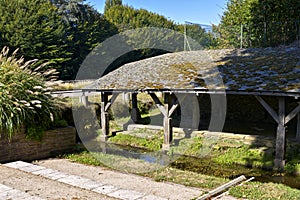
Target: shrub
x=25 y=100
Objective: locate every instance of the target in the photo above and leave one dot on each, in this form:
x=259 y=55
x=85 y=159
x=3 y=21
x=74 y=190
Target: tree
x=111 y=3
x=263 y=22
x=35 y=27
x=238 y=13
x=277 y=21
x=86 y=29
x=126 y=17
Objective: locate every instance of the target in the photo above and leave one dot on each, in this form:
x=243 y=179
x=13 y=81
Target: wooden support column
x=105 y=105
x=135 y=114
x=104 y=117
x=196 y=113
x=85 y=101
x=280 y=138
x=167 y=109
x=298 y=128
x=282 y=121
x=168 y=130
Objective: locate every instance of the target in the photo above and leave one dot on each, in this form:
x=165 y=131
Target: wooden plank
x=292 y=114
x=158 y=104
x=298 y=128
x=280 y=139
x=222 y=188
x=268 y=108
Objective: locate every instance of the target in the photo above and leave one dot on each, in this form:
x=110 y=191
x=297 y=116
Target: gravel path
x=44 y=188
x=61 y=179
x=128 y=181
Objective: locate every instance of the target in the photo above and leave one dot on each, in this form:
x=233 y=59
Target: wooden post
x=281 y=120
x=280 y=139
x=298 y=128
x=104 y=117
x=196 y=113
x=168 y=131
x=85 y=101
x=135 y=115
x=167 y=109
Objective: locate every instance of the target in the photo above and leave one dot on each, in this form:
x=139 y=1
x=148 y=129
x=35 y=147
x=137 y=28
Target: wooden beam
x=104 y=117
x=280 y=139
x=111 y=101
x=158 y=104
x=268 y=108
x=173 y=108
x=220 y=189
x=292 y=114
x=298 y=128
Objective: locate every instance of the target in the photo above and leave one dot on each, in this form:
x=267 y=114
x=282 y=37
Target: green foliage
x=111 y=3
x=61 y=32
x=35 y=27
x=126 y=17
x=25 y=100
x=265 y=23
x=86 y=29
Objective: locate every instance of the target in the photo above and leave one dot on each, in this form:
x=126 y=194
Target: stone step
x=83 y=183
x=8 y=193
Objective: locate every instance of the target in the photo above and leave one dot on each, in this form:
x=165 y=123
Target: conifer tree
x=111 y=3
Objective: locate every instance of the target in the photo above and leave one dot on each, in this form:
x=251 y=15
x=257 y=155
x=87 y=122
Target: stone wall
x=54 y=142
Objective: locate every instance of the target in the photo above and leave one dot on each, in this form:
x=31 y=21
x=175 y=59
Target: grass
x=153 y=142
x=142 y=168
x=244 y=155
x=226 y=152
x=251 y=190
x=265 y=191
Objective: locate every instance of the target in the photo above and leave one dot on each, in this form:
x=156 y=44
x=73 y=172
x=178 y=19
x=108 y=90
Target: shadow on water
x=199 y=165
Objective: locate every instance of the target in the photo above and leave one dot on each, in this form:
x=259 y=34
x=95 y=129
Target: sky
x=195 y=11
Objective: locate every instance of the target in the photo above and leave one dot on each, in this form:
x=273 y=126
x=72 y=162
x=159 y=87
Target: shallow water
x=200 y=165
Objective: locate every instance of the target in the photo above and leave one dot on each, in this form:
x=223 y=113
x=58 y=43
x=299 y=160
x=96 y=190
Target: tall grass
x=25 y=100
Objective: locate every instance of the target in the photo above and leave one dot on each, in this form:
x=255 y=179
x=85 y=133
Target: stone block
x=126 y=194
x=105 y=189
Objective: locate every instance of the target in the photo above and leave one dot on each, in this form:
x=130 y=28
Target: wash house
x=269 y=77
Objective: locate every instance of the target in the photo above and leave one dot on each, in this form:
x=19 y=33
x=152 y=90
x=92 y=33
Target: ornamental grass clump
x=25 y=100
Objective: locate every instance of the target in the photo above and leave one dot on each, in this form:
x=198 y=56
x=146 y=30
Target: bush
x=25 y=100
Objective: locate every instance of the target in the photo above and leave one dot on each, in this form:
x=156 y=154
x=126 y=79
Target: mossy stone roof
x=264 y=69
